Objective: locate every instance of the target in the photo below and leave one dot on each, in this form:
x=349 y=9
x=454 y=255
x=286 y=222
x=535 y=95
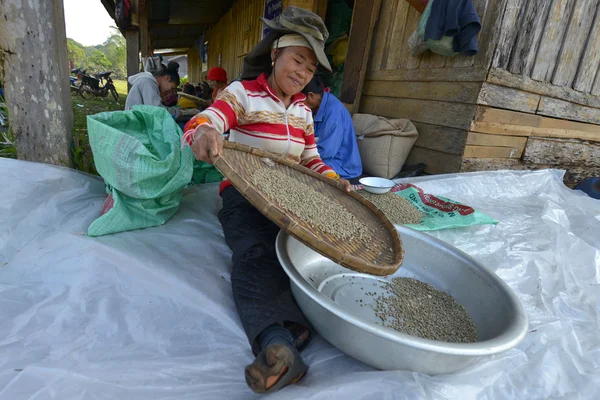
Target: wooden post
x=37 y=79
x=144 y=33
x=132 y=42
x=364 y=19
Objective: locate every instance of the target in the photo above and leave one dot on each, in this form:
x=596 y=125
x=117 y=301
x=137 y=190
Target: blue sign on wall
x=272 y=9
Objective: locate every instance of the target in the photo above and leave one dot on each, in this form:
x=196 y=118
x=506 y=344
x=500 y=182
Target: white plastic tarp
x=149 y=314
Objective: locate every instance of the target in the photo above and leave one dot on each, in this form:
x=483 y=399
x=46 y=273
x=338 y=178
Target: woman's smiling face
x=294 y=67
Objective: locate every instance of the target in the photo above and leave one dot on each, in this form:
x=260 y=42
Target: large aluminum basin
x=332 y=304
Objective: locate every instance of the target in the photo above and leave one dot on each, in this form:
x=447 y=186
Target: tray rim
x=300 y=232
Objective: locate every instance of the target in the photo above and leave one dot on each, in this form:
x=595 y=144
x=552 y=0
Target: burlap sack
x=383 y=143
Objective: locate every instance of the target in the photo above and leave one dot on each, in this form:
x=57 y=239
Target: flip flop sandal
x=291 y=368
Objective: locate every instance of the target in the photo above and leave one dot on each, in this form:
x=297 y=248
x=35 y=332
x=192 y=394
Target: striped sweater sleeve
x=224 y=114
x=310 y=157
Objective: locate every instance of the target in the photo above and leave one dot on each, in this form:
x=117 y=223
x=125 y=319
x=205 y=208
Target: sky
x=87 y=21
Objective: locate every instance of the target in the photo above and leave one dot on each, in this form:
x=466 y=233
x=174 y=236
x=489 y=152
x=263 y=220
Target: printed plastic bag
x=138 y=153
x=440 y=212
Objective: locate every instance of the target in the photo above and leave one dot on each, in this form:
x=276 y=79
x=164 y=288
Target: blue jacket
x=336 y=138
x=457 y=18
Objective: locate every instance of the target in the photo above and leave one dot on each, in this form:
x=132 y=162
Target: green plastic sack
x=439 y=212
x=139 y=154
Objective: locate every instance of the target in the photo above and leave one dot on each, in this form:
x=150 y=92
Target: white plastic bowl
x=377 y=185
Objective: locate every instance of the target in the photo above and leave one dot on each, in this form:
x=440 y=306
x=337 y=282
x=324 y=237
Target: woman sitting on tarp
x=257 y=112
x=334 y=131
x=154 y=88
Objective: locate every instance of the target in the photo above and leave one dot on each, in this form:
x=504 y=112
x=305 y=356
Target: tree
x=99 y=61
x=110 y=55
x=76 y=54
x=115 y=50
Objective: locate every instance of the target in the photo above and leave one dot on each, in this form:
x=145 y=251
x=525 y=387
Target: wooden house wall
x=439 y=94
x=230 y=39
x=540 y=104
x=235 y=35
x=194 y=65
x=532 y=90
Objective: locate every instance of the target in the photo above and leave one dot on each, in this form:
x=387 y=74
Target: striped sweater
x=254 y=115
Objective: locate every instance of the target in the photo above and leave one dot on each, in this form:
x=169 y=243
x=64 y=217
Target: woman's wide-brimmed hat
x=292 y=20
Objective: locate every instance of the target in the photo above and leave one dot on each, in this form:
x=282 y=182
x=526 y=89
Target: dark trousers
x=261 y=289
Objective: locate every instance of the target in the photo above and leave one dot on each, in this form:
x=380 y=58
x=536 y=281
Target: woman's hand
x=209 y=143
x=346 y=183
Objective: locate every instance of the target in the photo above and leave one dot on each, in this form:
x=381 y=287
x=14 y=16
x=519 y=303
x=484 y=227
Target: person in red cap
x=217 y=77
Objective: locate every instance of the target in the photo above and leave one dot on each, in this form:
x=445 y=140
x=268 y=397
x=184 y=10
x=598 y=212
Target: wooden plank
x=482 y=139
x=562 y=151
x=364 y=18
x=393 y=53
x=588 y=68
x=380 y=34
x=432 y=60
x=460 y=92
x=492 y=152
x=431 y=75
x=490 y=33
x=531 y=27
x=512 y=99
x=505 y=78
x=562 y=109
x=551 y=44
x=454 y=115
x=132 y=43
x=488 y=114
x=503 y=122
x=508 y=33
x=412 y=20
x=144 y=34
x=437 y=162
x=575 y=39
x=596 y=87
x=497 y=128
x=441 y=138
x=461 y=61
x=490 y=164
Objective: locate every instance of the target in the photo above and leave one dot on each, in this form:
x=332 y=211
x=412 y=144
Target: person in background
x=336 y=139
x=267 y=112
x=198 y=91
x=217 y=77
x=185 y=102
x=154 y=88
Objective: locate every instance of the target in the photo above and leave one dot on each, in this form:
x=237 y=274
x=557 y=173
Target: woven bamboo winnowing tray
x=382 y=256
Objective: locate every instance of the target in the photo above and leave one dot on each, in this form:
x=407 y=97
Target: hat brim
x=318 y=49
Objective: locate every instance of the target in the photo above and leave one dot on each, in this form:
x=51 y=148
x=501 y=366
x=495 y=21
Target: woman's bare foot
x=275 y=367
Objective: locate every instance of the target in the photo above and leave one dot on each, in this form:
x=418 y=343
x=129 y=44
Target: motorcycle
x=92 y=86
x=75 y=81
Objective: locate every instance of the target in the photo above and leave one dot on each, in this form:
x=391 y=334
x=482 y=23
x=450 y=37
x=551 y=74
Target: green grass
x=7 y=137
x=83 y=159
x=121 y=88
